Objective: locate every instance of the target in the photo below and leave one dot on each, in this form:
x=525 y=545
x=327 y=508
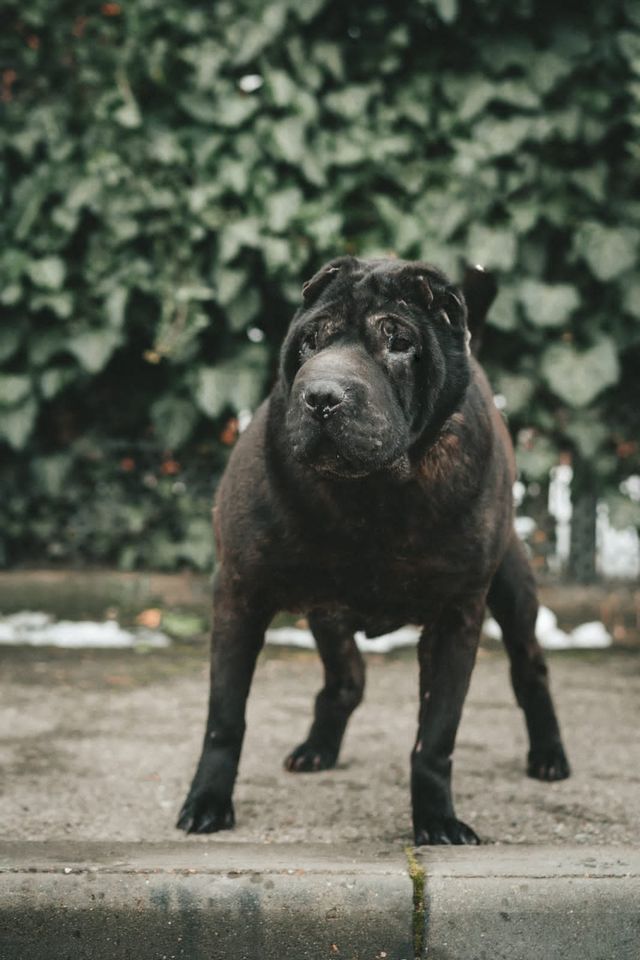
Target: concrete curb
x=517 y=903
x=197 y=900
x=191 y=900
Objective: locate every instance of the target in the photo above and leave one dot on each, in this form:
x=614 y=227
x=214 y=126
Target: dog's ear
x=435 y=293
x=423 y=289
x=453 y=306
x=312 y=288
x=479 y=288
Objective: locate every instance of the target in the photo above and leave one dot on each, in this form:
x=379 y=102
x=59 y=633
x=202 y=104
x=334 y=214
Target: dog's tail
x=479 y=288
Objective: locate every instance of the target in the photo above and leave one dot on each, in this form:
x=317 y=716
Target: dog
x=372 y=489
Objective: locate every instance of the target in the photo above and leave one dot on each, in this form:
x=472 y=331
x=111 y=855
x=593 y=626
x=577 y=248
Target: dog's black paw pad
x=309 y=759
x=548 y=764
x=205 y=814
x=446 y=830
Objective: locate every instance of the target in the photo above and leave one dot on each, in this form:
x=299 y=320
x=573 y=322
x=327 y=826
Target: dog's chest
x=398 y=569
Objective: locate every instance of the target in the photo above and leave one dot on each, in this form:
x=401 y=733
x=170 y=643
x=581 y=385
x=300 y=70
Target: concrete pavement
x=97 y=750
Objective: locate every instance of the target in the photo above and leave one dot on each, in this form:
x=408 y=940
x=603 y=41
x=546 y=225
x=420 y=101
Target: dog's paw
x=308 y=758
x=203 y=813
x=444 y=830
x=549 y=763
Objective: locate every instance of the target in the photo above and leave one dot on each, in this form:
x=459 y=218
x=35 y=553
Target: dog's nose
x=323 y=397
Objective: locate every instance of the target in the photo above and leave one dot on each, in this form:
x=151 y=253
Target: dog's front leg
x=239 y=623
x=447 y=654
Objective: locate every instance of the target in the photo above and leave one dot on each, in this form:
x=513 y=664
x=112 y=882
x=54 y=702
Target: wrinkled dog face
x=375 y=362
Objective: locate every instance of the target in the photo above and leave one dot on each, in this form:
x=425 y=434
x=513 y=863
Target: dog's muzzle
x=323 y=397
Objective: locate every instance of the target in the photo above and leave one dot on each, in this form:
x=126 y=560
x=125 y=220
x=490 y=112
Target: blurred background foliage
x=172 y=172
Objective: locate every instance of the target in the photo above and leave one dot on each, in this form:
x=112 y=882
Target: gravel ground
x=102 y=746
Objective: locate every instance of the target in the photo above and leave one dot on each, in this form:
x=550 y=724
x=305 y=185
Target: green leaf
x=547 y=69
x=256 y=35
x=30 y=204
x=478 y=95
x=13 y=263
x=187 y=625
x=235 y=110
x=229 y=284
x=517 y=390
x=59 y=303
x=207 y=58
x=11 y=337
x=548 y=305
x=200 y=107
x=46 y=345
x=536 y=457
x=277 y=252
x=282 y=87
x=306 y=10
x=290 y=139
x=629 y=43
x=174 y=420
x=492 y=247
x=14 y=388
x=194 y=293
x=243 y=308
x=282 y=207
x=504 y=312
x=588 y=434
x=329 y=56
x=498 y=138
x=48 y=273
x=51 y=473
x=53 y=380
x=11 y=294
x=578 y=376
x=93 y=348
x=609 y=251
x=239 y=234
x=16 y=424
x=631 y=297
x=83 y=194
x=326 y=229
x=115 y=306
x=237 y=382
x=128 y=115
x=447 y=9
x=351 y=102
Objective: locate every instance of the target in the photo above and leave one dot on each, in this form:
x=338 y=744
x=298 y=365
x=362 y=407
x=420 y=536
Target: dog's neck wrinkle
x=435 y=462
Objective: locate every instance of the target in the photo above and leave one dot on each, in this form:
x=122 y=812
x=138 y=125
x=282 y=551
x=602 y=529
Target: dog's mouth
x=326 y=459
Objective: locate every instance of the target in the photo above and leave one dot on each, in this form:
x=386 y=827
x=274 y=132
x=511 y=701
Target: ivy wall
x=171 y=172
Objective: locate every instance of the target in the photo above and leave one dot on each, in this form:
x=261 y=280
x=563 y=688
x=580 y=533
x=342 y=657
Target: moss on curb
x=418 y=878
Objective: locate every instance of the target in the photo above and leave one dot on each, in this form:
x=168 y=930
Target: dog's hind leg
x=513 y=601
x=344 y=673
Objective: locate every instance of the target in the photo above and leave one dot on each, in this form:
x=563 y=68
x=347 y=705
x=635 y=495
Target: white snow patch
x=295 y=637
x=36 y=629
x=588 y=636
x=592 y=636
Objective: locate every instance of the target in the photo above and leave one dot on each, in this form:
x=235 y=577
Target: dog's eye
x=309 y=342
x=397 y=340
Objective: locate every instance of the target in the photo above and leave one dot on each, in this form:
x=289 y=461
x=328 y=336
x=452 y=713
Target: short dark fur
x=373 y=489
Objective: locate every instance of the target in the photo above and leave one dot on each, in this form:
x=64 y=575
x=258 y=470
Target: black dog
x=373 y=489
